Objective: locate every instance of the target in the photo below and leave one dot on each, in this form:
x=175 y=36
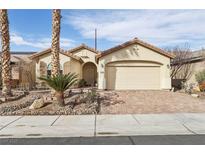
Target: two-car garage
x=132 y=76
x=134 y=65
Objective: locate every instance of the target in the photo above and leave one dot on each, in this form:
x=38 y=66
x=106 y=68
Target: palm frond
x=61 y=82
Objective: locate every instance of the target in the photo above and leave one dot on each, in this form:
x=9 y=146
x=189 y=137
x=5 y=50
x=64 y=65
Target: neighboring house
x=198 y=61
x=22 y=69
x=132 y=65
x=198 y=64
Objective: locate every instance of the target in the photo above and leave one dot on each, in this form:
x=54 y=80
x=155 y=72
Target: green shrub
x=200 y=76
x=92 y=95
x=82 y=83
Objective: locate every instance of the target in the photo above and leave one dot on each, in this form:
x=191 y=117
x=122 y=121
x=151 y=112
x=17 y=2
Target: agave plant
x=60 y=83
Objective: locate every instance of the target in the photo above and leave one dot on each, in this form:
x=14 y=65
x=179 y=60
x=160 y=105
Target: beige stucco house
x=132 y=65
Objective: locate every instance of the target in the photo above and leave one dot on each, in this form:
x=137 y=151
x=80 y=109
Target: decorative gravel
x=21 y=106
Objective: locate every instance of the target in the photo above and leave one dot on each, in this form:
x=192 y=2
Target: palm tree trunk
x=5 y=41
x=55 y=47
x=60 y=98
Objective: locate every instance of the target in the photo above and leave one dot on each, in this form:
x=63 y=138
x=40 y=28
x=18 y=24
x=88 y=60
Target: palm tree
x=55 y=47
x=60 y=83
x=5 y=62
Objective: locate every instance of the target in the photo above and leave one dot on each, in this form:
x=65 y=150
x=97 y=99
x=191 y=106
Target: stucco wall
x=86 y=55
x=76 y=67
x=197 y=67
x=136 y=52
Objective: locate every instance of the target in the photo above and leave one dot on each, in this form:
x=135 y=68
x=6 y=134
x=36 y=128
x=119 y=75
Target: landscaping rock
x=85 y=108
x=47 y=98
x=76 y=99
x=196 y=88
x=172 y=90
x=195 y=95
x=9 y=110
x=35 y=97
x=2 y=99
x=75 y=103
x=38 y=103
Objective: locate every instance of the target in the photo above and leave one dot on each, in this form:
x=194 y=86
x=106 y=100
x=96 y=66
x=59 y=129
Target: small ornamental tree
x=60 y=83
x=181 y=68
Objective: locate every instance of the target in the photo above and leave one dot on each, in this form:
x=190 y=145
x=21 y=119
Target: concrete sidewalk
x=101 y=125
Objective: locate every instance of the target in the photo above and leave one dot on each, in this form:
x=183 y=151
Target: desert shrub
x=82 y=83
x=200 y=77
x=92 y=95
x=178 y=83
x=187 y=87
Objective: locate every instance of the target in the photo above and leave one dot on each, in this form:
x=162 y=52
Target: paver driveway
x=130 y=102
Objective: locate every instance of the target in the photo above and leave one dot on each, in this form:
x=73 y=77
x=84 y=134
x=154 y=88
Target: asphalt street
x=119 y=140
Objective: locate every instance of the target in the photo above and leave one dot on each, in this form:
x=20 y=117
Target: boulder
x=196 y=89
x=47 y=98
x=172 y=90
x=2 y=99
x=38 y=103
x=195 y=95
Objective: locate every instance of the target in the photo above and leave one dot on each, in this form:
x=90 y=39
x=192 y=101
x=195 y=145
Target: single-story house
x=198 y=61
x=132 y=65
x=197 y=64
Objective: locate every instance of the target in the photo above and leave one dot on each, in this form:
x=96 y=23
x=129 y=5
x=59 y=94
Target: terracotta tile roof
x=49 y=50
x=82 y=46
x=135 y=41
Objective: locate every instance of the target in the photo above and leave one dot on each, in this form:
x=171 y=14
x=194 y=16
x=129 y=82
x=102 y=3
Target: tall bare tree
x=5 y=41
x=181 y=67
x=55 y=47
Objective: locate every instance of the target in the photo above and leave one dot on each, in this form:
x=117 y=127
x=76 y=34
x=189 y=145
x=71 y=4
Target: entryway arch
x=90 y=73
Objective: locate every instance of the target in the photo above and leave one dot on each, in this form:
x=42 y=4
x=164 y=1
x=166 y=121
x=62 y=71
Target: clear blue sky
x=31 y=29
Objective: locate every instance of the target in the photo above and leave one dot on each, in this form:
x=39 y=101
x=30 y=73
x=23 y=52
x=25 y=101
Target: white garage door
x=133 y=78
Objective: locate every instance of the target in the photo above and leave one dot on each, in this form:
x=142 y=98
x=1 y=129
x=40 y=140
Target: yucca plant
x=60 y=83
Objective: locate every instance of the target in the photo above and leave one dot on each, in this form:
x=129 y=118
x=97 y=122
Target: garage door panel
x=133 y=78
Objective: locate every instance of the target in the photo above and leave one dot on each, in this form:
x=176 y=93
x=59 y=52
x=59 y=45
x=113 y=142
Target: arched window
x=49 y=69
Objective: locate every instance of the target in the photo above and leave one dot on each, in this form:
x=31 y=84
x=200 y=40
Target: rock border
x=17 y=95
